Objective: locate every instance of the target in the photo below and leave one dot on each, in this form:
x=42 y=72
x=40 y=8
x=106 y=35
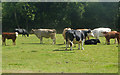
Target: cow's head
x=32 y=31
x=16 y=34
x=90 y=33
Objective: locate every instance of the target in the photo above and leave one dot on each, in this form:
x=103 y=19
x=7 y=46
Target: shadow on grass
x=61 y=50
x=60 y=44
x=36 y=43
x=34 y=51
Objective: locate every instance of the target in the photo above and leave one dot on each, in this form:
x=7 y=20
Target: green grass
x=30 y=56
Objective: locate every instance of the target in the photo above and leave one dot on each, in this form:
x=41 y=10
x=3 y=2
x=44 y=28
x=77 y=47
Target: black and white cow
x=76 y=36
x=92 y=42
x=22 y=31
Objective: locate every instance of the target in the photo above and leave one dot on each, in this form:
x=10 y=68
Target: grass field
x=29 y=56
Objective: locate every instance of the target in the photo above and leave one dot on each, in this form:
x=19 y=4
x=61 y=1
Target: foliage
x=59 y=15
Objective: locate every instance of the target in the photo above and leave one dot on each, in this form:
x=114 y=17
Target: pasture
x=29 y=56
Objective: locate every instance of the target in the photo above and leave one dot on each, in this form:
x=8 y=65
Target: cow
x=98 y=32
x=92 y=42
x=76 y=36
x=22 y=31
x=64 y=31
x=89 y=35
x=9 y=35
x=111 y=35
x=47 y=33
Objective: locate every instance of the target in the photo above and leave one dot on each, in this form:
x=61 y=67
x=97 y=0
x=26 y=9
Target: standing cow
x=9 y=35
x=40 y=33
x=76 y=36
x=64 y=31
x=22 y=31
x=89 y=34
x=111 y=35
x=98 y=32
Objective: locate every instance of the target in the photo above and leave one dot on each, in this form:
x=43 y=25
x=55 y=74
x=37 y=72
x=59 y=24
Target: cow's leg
x=88 y=37
x=41 y=40
x=3 y=43
x=79 y=46
x=115 y=40
x=13 y=41
x=74 y=45
x=108 y=41
x=54 y=41
x=64 y=41
x=71 y=44
x=82 y=44
x=67 y=44
x=118 y=40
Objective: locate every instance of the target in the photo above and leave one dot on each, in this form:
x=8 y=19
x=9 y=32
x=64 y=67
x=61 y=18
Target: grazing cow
x=76 y=36
x=98 y=32
x=64 y=31
x=40 y=33
x=6 y=35
x=22 y=31
x=92 y=42
x=111 y=35
x=89 y=34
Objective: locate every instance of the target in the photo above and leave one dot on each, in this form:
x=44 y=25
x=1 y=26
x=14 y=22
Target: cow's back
x=98 y=32
x=45 y=33
x=111 y=34
x=9 y=35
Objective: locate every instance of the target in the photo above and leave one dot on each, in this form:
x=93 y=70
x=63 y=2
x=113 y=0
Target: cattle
x=22 y=31
x=47 y=33
x=92 y=42
x=76 y=36
x=111 y=35
x=98 y=32
x=64 y=31
x=9 y=35
x=89 y=34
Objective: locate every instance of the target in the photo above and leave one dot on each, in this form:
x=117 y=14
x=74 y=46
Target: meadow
x=29 y=56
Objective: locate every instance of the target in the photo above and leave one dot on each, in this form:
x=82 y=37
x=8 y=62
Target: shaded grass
x=30 y=56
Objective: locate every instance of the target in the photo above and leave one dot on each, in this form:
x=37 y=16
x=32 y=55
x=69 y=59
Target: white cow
x=40 y=33
x=98 y=32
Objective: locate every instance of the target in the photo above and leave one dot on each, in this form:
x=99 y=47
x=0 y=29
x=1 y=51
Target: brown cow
x=64 y=31
x=111 y=35
x=8 y=35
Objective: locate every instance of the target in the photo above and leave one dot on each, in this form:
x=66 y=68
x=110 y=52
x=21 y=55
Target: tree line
x=58 y=15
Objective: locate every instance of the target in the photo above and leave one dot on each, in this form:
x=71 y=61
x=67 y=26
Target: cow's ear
x=89 y=31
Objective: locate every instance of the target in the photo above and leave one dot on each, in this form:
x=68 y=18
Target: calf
x=47 y=33
x=111 y=35
x=76 y=36
x=92 y=42
x=6 y=35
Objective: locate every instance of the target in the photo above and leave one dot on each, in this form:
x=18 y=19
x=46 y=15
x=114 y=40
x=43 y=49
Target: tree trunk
x=16 y=20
